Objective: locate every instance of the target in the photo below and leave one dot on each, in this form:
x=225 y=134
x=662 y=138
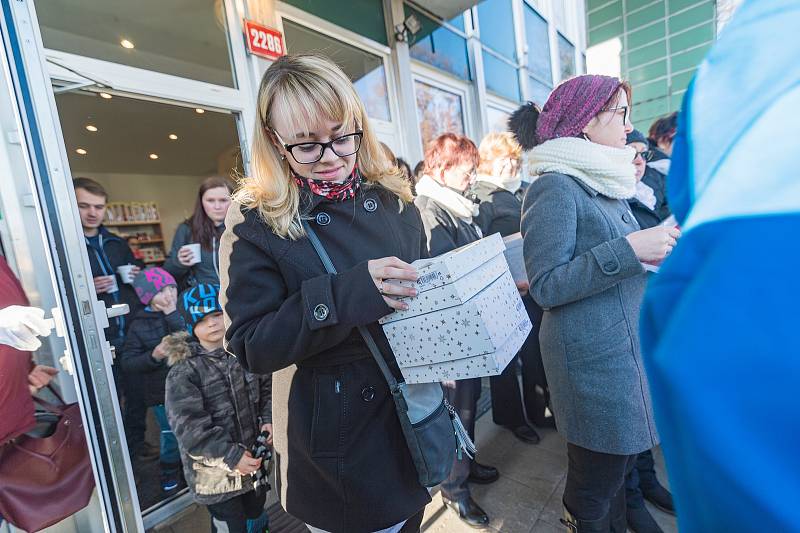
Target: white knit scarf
x=509 y=183
x=455 y=203
x=607 y=170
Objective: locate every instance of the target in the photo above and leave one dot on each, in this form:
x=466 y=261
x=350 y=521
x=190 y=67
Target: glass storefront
x=439 y=111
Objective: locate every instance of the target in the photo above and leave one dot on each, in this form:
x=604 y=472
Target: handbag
x=44 y=480
x=433 y=431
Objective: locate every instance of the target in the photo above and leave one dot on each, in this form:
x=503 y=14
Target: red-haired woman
x=451 y=163
x=205 y=228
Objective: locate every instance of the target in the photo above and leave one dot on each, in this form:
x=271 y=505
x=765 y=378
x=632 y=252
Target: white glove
x=20 y=326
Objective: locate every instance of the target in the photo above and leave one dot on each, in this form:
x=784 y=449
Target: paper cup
x=114 y=286
x=126 y=273
x=195 y=249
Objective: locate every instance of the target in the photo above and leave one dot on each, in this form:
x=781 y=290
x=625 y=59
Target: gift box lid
x=447 y=268
x=453 y=294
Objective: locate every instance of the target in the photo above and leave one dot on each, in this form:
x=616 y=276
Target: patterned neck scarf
x=334 y=191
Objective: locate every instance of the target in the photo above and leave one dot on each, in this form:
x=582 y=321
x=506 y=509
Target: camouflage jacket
x=216 y=410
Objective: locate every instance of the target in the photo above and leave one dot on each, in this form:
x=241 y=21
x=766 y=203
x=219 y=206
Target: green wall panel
x=692 y=17
x=606 y=32
x=606 y=14
x=642 y=75
x=646 y=15
x=646 y=54
x=364 y=17
x=693 y=37
x=690 y=59
x=651 y=91
x=646 y=35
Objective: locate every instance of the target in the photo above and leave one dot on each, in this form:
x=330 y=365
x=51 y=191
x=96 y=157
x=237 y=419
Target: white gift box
x=468 y=319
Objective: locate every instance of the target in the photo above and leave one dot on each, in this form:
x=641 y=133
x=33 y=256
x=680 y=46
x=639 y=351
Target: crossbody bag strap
x=368 y=338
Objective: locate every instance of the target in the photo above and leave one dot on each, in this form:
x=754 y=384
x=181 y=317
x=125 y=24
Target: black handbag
x=432 y=429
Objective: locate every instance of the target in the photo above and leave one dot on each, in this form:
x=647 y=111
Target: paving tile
x=545 y=527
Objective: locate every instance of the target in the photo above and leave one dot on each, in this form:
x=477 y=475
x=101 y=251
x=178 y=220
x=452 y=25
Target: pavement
x=526 y=498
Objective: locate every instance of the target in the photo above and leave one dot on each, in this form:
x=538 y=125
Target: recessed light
x=81 y=151
x=153 y=156
x=91 y=128
x=125 y=43
x=105 y=95
x=199 y=110
x=173 y=137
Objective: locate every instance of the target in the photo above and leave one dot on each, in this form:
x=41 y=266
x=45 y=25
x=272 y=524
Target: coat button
x=368 y=394
x=370 y=205
x=626 y=218
x=321 y=312
x=323 y=219
x=609 y=266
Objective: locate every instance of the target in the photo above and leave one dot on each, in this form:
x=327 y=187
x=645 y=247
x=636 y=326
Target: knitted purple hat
x=150 y=281
x=573 y=104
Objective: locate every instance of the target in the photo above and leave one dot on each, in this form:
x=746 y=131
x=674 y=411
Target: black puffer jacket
x=500 y=211
x=147 y=330
x=216 y=410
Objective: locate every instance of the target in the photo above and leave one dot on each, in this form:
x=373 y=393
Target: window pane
x=538 y=46
x=195 y=48
x=439 y=46
x=501 y=78
x=495 y=19
x=365 y=69
x=438 y=111
x=538 y=91
x=566 y=54
x=498 y=119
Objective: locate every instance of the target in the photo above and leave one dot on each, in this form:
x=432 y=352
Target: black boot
x=660 y=497
x=641 y=521
x=576 y=525
x=468 y=511
x=482 y=474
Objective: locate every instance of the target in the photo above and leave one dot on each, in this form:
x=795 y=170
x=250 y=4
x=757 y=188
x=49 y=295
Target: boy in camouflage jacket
x=216 y=410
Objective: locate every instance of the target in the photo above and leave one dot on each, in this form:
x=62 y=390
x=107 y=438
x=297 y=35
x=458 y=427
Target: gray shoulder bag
x=433 y=431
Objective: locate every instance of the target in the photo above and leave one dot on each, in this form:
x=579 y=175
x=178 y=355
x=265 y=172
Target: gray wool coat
x=586 y=277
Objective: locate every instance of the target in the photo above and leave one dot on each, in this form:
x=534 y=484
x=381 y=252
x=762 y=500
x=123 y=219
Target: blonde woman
x=343 y=465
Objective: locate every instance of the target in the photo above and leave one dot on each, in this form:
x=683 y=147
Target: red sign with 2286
x=263 y=41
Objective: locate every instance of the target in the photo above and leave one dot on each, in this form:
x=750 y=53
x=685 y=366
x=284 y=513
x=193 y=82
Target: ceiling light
x=173 y=137
x=105 y=95
x=199 y=110
x=91 y=128
x=126 y=44
x=153 y=156
x=81 y=151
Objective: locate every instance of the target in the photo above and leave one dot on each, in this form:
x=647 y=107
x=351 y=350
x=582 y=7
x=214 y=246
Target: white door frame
x=432 y=76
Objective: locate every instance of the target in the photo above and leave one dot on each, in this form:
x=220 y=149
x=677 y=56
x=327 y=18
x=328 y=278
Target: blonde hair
x=301 y=89
x=496 y=146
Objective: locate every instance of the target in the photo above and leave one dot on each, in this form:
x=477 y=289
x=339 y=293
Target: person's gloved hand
x=20 y=326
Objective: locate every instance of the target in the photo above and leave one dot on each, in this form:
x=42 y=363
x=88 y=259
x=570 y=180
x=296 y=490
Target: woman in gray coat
x=583 y=253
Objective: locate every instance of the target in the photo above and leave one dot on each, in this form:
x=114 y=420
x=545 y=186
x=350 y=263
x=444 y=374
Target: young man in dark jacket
x=107 y=252
x=143 y=359
x=217 y=410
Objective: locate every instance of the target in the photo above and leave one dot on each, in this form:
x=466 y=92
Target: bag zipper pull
x=464 y=442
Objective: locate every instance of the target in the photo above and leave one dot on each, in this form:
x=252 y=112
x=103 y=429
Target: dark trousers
x=134 y=415
x=507 y=398
x=596 y=483
x=464 y=398
x=231 y=516
x=641 y=478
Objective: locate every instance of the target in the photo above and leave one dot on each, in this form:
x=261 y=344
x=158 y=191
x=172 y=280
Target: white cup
x=126 y=273
x=195 y=249
x=114 y=287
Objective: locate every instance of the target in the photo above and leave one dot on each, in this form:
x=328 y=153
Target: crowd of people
x=256 y=345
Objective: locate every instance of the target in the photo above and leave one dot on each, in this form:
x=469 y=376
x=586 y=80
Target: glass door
x=114 y=97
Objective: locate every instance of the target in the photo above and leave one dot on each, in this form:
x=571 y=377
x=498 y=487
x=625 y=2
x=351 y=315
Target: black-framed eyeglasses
x=625 y=109
x=647 y=155
x=310 y=152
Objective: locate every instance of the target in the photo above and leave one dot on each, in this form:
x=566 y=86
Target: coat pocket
x=607 y=341
x=211 y=480
x=327 y=419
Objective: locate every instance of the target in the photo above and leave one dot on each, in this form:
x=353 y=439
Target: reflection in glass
x=439 y=46
x=538 y=46
x=497 y=30
x=501 y=78
x=365 y=69
x=438 y=111
x=566 y=54
x=180 y=37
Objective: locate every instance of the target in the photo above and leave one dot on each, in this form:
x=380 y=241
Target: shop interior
x=151 y=158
